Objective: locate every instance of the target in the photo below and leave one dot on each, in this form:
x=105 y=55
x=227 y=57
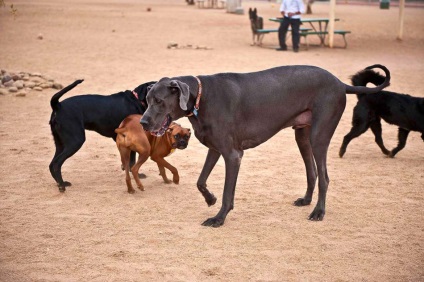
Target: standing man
x=291 y=11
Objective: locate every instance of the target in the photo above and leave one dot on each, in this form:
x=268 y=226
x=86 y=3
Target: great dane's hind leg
x=232 y=167
x=324 y=124
x=210 y=163
x=303 y=142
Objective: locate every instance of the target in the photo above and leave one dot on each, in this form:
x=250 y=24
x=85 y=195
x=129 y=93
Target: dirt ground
x=96 y=231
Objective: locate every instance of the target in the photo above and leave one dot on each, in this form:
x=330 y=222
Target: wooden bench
x=340 y=32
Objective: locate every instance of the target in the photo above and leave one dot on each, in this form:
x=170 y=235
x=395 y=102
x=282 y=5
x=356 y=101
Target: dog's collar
x=195 y=110
x=142 y=103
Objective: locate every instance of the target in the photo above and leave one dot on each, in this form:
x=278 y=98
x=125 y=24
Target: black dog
x=402 y=110
x=256 y=23
x=102 y=114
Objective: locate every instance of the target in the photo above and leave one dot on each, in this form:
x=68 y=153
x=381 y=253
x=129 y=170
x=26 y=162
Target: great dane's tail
x=54 y=102
x=366 y=90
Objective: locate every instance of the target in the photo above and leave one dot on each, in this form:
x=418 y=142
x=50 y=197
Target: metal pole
x=331 y=17
x=401 y=18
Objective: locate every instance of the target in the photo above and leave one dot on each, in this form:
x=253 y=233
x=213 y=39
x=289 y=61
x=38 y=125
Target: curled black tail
x=55 y=99
x=361 y=89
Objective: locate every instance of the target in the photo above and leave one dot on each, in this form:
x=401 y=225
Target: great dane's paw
x=67 y=184
x=302 y=202
x=342 y=152
x=213 y=222
x=62 y=189
x=317 y=215
x=210 y=200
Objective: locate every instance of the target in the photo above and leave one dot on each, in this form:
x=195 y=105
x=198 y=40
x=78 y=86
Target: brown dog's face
x=167 y=101
x=179 y=136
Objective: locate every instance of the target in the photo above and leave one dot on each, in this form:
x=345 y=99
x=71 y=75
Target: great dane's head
x=167 y=101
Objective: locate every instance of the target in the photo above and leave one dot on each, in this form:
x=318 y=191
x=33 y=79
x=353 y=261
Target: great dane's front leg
x=211 y=159
x=232 y=167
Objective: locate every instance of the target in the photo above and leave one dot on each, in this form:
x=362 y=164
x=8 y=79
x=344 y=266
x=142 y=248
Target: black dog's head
x=253 y=14
x=141 y=92
x=167 y=100
x=255 y=21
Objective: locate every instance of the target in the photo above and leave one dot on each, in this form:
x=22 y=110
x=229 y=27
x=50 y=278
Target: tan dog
x=132 y=137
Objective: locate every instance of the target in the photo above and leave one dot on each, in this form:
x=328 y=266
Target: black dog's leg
x=57 y=162
x=376 y=129
x=232 y=167
x=302 y=140
x=360 y=124
x=402 y=136
x=59 y=150
x=210 y=163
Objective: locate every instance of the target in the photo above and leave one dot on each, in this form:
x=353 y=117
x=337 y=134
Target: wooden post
x=332 y=16
x=401 y=18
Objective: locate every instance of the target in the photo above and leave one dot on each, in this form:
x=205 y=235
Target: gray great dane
x=232 y=112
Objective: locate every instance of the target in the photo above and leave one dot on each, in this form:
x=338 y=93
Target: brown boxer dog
x=132 y=137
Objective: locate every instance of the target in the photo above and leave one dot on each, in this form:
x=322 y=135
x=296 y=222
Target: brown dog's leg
x=161 y=162
x=143 y=156
x=125 y=159
x=162 y=173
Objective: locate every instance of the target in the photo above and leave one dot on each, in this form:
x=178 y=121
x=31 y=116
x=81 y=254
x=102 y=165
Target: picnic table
x=319 y=27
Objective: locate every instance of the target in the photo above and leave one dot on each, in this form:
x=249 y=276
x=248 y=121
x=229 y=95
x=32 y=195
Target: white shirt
x=292 y=6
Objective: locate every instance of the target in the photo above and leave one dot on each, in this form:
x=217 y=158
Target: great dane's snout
x=144 y=123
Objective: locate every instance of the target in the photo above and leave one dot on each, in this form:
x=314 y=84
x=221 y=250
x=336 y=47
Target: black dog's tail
x=361 y=78
x=365 y=90
x=54 y=102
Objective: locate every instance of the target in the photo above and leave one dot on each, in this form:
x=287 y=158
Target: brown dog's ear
x=184 y=92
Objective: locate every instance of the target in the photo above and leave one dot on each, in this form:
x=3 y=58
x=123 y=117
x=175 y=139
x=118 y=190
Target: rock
x=36 y=79
x=20 y=94
x=8 y=83
x=6 y=78
x=19 y=84
x=3 y=91
x=38 y=88
x=35 y=74
x=29 y=84
x=46 y=85
x=57 y=86
x=40 y=36
x=172 y=45
x=15 y=76
x=3 y=71
x=13 y=89
x=25 y=78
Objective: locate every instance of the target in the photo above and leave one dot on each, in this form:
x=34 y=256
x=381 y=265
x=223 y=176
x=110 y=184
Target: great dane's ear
x=184 y=92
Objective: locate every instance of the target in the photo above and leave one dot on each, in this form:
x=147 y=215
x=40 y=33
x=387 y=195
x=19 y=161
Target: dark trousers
x=282 y=31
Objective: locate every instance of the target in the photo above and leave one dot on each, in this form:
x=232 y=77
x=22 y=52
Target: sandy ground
x=96 y=231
